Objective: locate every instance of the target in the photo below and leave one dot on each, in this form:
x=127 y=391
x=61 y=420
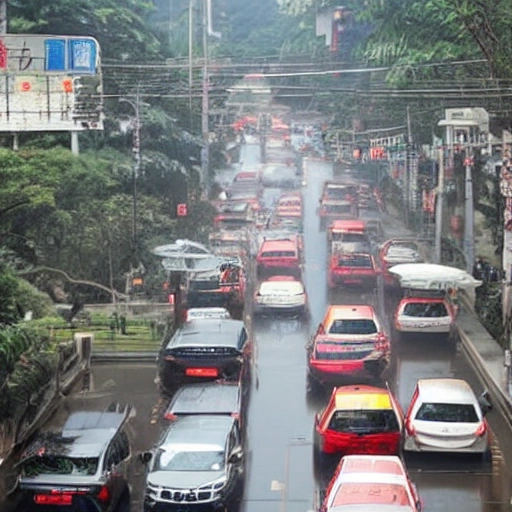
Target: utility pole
x=407 y=193
x=205 y=153
x=439 y=209
x=136 y=167
x=190 y=55
x=3 y=16
x=469 y=217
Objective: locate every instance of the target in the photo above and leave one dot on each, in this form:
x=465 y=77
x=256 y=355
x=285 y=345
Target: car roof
x=349 y=312
x=362 y=397
x=281 y=278
x=84 y=434
x=348 y=225
x=207 y=332
x=207 y=398
x=364 y=508
x=278 y=244
x=446 y=391
x=373 y=468
x=199 y=430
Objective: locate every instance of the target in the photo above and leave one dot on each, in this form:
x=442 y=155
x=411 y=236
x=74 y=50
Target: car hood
x=183 y=479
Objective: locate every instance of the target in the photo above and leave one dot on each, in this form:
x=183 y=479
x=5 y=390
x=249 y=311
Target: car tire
x=314 y=388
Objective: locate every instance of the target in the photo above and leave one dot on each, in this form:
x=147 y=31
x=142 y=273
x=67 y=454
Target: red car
x=352 y=268
x=371 y=482
x=359 y=420
x=283 y=257
x=349 y=342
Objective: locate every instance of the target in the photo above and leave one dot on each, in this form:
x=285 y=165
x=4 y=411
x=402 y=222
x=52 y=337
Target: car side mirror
x=236 y=456
x=145 y=457
x=484 y=401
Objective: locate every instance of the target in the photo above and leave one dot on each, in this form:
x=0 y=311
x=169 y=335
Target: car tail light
x=381 y=343
x=481 y=430
x=236 y=416
x=104 y=495
x=170 y=416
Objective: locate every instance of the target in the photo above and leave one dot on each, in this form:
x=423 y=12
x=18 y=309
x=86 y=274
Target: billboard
x=50 y=83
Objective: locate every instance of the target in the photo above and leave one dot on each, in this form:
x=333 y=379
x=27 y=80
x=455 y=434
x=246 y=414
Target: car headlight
x=220 y=484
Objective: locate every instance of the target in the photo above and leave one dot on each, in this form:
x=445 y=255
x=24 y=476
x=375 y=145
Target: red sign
x=3 y=55
x=182 y=210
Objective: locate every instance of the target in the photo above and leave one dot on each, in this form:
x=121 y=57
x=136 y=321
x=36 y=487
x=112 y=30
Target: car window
x=113 y=457
x=425 y=310
x=356 y=326
x=203 y=460
x=366 y=493
x=338 y=208
x=449 y=413
x=349 y=237
x=243 y=338
x=358 y=260
x=124 y=445
x=59 y=465
x=364 y=421
x=278 y=254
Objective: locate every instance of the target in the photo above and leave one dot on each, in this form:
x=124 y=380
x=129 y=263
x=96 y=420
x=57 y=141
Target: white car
x=445 y=416
x=280 y=294
x=208 y=313
x=425 y=315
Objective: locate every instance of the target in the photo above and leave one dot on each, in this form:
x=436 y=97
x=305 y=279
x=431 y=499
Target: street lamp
x=136 y=168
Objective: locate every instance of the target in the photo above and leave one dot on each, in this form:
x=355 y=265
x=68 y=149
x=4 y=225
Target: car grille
x=185 y=496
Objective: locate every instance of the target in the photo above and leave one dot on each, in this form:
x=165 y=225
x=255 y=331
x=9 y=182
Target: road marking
x=276 y=485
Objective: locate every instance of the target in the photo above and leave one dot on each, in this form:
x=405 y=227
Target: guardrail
x=486 y=358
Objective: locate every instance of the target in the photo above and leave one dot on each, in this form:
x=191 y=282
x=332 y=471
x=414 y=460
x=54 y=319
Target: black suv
x=219 y=398
x=197 y=465
x=206 y=349
x=81 y=467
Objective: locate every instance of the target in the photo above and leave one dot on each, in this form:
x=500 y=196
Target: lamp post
x=136 y=167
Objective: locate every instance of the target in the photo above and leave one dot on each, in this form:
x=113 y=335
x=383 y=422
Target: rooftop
x=446 y=391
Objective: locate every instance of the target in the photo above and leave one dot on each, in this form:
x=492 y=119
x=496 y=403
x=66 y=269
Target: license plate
x=202 y=372
x=53 y=499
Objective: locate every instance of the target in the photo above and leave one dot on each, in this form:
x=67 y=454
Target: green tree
x=119 y=25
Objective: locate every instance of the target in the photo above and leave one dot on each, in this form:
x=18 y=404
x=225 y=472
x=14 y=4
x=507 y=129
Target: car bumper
x=279 y=310
x=437 y=329
x=217 y=506
x=411 y=444
x=328 y=373
x=174 y=373
x=368 y=445
x=352 y=280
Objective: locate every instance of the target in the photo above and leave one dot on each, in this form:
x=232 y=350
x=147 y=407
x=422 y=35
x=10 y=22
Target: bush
x=29 y=298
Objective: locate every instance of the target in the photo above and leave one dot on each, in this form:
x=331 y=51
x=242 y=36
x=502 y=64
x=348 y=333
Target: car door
x=116 y=466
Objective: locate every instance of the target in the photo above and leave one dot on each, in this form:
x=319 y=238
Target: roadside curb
x=501 y=400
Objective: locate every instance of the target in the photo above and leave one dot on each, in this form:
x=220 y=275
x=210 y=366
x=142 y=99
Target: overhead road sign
x=50 y=83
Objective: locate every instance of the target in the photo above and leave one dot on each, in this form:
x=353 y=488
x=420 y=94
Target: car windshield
x=338 y=192
x=204 y=285
x=367 y=493
x=449 y=413
x=58 y=465
x=355 y=326
x=425 y=309
x=278 y=254
x=338 y=208
x=356 y=260
x=364 y=421
x=349 y=237
x=203 y=460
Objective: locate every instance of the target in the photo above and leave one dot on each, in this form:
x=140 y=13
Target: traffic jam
x=208 y=367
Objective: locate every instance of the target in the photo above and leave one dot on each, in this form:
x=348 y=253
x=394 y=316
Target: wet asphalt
x=280 y=475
